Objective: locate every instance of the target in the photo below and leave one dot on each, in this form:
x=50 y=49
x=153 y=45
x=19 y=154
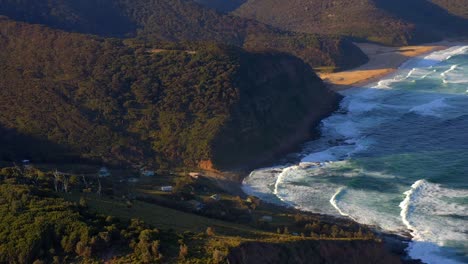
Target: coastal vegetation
x=181 y=20
x=104 y=100
x=45 y=222
x=397 y=22
x=126 y=126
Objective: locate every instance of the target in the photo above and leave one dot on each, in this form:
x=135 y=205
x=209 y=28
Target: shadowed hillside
x=385 y=21
x=109 y=101
x=455 y=7
x=181 y=20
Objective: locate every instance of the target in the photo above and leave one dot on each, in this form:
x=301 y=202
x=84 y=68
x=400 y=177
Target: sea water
x=394 y=156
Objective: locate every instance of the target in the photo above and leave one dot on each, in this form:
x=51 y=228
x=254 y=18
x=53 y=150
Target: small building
x=166 y=188
x=266 y=218
x=104 y=172
x=215 y=197
x=195 y=175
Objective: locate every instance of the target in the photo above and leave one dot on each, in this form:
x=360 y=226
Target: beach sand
x=382 y=61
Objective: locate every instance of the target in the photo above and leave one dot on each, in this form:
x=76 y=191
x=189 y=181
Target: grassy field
x=163 y=217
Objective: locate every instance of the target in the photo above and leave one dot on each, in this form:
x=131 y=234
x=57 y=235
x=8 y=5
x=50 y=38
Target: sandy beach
x=382 y=61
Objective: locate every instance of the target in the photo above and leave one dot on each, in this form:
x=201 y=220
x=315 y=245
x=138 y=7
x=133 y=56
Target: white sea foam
x=436 y=57
x=409 y=68
x=307 y=197
x=426 y=209
x=334 y=199
x=367 y=207
x=260 y=183
x=419 y=210
x=456 y=76
x=452 y=68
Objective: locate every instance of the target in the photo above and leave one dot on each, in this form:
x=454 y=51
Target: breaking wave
x=362 y=164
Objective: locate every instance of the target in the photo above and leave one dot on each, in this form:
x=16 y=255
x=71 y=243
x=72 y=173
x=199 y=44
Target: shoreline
x=383 y=61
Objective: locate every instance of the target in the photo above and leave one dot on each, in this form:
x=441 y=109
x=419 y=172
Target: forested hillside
x=181 y=20
x=392 y=22
x=456 y=7
x=100 y=99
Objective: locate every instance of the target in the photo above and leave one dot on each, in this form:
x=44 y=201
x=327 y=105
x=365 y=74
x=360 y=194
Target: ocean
x=394 y=156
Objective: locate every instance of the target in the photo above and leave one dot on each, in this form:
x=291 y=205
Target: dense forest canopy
x=455 y=7
x=391 y=22
x=181 y=20
x=103 y=99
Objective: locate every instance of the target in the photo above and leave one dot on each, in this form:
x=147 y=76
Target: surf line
x=406 y=207
x=333 y=201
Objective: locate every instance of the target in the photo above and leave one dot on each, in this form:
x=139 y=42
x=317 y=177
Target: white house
x=166 y=188
x=267 y=218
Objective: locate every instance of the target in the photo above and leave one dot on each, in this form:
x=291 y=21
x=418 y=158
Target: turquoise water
x=395 y=156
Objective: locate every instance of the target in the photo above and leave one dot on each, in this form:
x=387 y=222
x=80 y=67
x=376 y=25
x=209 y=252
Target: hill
x=41 y=221
x=181 y=20
x=104 y=100
x=391 y=22
x=455 y=7
x=222 y=5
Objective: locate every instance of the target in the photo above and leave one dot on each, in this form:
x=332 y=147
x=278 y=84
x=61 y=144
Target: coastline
x=383 y=61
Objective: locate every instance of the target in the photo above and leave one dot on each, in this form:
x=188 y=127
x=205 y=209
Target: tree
x=83 y=202
x=147 y=249
x=56 y=180
x=335 y=231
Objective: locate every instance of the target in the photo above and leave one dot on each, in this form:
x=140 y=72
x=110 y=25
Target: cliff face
x=280 y=100
x=352 y=252
x=102 y=100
